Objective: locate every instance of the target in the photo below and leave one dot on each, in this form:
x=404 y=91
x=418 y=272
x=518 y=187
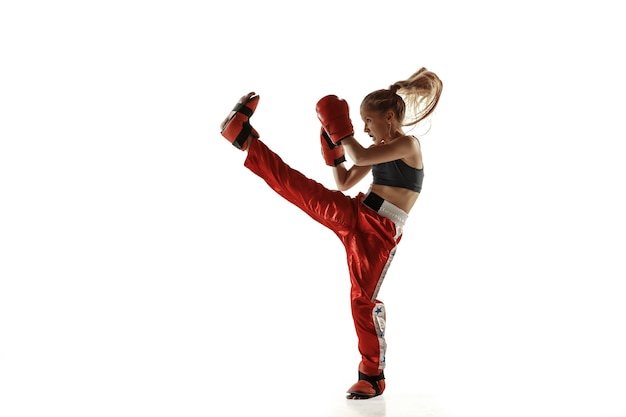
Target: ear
x=390 y=116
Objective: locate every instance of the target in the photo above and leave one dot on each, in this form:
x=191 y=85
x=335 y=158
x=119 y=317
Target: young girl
x=369 y=225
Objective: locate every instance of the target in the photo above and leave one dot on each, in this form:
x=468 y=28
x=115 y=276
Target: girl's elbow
x=343 y=186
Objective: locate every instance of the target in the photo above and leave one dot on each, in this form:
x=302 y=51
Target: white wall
x=145 y=271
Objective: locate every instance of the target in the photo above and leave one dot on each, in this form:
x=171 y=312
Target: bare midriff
x=402 y=198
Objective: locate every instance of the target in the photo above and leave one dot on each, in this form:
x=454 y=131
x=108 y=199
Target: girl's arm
x=347 y=178
x=399 y=148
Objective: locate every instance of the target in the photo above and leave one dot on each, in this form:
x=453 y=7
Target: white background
x=145 y=271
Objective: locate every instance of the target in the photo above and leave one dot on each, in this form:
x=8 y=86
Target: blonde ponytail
x=421 y=92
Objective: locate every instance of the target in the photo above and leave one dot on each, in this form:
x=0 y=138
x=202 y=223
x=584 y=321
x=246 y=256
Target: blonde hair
x=412 y=100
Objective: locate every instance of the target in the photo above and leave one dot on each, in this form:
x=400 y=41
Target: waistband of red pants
x=386 y=209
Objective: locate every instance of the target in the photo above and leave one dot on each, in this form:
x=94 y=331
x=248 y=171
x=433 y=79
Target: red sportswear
x=369 y=234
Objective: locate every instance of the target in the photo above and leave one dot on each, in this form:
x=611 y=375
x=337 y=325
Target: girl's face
x=376 y=124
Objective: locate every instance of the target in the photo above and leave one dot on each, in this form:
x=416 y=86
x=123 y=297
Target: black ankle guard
x=372 y=380
x=246 y=129
x=243 y=135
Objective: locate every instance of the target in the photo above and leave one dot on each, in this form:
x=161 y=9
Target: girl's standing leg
x=370 y=253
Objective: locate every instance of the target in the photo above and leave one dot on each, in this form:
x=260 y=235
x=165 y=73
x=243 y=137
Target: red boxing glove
x=333 y=154
x=335 y=117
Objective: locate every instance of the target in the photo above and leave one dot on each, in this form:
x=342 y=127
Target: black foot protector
x=367 y=387
x=236 y=128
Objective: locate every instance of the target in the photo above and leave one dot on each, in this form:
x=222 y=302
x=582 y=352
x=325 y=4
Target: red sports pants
x=370 y=240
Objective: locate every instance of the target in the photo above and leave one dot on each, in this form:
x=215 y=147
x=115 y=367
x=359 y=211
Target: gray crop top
x=398 y=174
